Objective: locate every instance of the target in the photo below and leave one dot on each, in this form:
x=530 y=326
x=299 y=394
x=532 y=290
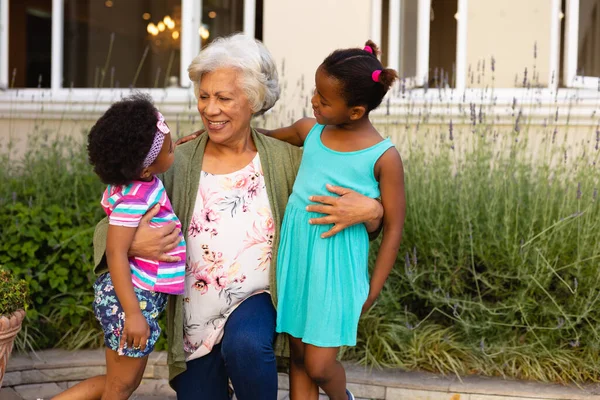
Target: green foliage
x=50 y=204
x=14 y=293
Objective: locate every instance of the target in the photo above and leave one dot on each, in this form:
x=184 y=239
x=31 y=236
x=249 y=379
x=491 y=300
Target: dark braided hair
x=353 y=68
x=120 y=140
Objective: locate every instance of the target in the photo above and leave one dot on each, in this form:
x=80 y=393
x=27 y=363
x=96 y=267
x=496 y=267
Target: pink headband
x=159 y=138
x=368 y=49
x=375 y=75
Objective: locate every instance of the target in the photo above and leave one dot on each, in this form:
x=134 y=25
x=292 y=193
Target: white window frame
x=570 y=77
x=191 y=15
x=423 y=26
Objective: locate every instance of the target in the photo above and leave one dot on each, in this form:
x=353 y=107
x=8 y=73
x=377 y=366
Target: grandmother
x=229 y=186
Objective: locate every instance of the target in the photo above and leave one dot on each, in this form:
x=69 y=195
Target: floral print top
x=229 y=253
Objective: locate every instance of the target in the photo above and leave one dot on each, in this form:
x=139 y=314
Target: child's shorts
x=110 y=314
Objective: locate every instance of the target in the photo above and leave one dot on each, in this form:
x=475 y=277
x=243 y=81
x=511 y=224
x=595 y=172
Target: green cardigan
x=280 y=162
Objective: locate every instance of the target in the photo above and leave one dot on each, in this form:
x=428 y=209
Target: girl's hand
x=187 y=138
x=153 y=243
x=136 y=332
x=347 y=209
x=368 y=304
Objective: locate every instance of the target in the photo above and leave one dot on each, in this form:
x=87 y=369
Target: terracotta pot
x=9 y=327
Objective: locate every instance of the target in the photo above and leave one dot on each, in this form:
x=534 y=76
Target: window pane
x=30 y=43
x=221 y=18
x=442 y=42
x=408 y=36
x=588 y=63
x=121 y=43
x=408 y=39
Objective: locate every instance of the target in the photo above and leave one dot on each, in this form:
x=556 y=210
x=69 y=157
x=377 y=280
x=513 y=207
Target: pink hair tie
x=368 y=49
x=375 y=75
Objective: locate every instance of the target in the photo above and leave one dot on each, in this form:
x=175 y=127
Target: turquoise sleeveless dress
x=322 y=284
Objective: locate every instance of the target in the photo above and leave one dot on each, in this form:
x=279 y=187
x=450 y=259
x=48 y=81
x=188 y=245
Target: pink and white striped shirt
x=125 y=205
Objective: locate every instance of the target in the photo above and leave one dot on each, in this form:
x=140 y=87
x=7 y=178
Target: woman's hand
x=347 y=209
x=153 y=243
x=187 y=138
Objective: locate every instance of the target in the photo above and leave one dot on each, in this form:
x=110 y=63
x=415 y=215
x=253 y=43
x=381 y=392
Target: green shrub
x=50 y=204
x=499 y=270
x=14 y=293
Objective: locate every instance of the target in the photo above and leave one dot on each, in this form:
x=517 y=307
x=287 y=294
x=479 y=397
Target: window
x=113 y=43
x=424 y=40
x=582 y=44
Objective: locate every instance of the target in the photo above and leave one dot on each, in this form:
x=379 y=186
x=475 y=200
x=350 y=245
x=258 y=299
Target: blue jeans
x=245 y=355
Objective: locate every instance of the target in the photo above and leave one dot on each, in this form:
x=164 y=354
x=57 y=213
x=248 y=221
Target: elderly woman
x=229 y=187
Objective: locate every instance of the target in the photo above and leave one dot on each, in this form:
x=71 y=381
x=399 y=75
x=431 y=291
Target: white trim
x=376 y=11
x=554 y=44
x=84 y=103
x=461 y=44
x=571 y=38
x=423 y=25
x=250 y=17
x=4 y=73
x=394 y=29
x=56 y=67
x=177 y=104
x=191 y=17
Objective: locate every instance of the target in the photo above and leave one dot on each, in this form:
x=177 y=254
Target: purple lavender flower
x=579 y=191
x=450 y=128
x=493 y=62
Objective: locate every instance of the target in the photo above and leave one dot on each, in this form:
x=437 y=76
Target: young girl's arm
x=294 y=134
x=136 y=330
x=391 y=183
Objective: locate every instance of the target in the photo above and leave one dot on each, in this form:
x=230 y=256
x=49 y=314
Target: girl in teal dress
x=322 y=282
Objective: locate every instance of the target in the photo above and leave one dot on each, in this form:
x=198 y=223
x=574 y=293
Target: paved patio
x=43 y=374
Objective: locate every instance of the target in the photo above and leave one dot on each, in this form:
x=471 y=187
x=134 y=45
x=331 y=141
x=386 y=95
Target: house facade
x=62 y=62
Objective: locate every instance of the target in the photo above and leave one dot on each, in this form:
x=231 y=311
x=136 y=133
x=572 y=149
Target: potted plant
x=14 y=295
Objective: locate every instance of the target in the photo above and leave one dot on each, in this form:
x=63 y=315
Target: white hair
x=259 y=73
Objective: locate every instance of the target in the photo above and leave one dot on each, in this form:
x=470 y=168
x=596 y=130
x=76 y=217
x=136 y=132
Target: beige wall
x=507 y=30
x=302 y=33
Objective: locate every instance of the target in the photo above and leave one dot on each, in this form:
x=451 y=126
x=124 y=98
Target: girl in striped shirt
x=128 y=146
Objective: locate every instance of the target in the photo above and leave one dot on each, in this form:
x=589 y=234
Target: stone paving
x=43 y=374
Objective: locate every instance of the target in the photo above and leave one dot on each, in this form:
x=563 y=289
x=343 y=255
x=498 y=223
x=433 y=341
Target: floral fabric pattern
x=229 y=239
x=111 y=316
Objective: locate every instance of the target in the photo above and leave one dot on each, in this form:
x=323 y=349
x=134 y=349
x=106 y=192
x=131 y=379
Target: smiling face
x=329 y=106
x=223 y=106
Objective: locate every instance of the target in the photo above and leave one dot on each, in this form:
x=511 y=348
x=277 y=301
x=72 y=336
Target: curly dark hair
x=120 y=140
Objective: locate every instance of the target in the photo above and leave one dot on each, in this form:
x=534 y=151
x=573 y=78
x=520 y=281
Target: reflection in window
x=221 y=18
x=116 y=43
x=588 y=63
x=29 y=48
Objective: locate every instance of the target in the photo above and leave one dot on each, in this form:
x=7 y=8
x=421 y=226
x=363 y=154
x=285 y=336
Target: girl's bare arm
x=391 y=182
x=294 y=134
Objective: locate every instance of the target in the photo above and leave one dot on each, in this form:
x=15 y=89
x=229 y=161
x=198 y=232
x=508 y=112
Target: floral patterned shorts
x=110 y=314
